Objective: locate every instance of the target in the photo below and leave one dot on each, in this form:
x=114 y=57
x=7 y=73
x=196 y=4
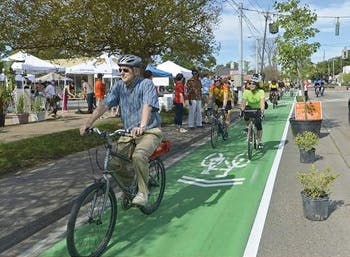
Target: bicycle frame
x=252 y=132
x=218 y=126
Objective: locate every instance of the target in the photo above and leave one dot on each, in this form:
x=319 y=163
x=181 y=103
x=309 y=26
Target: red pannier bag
x=164 y=147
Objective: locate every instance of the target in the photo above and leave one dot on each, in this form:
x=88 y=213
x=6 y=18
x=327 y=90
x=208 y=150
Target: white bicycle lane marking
x=214 y=163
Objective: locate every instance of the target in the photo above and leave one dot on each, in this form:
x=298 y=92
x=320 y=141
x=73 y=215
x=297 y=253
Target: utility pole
x=263 y=47
x=241 y=43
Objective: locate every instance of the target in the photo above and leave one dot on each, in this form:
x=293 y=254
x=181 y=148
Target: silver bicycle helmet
x=256 y=78
x=130 y=60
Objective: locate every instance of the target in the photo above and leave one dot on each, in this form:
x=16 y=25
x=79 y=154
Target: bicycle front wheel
x=156 y=186
x=250 y=142
x=214 y=133
x=92 y=221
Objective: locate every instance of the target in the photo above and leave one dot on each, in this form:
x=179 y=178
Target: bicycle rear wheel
x=156 y=186
x=250 y=142
x=91 y=222
x=274 y=102
x=214 y=133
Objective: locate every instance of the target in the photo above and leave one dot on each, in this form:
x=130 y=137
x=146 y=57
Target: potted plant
x=38 y=108
x=306 y=141
x=5 y=101
x=22 y=115
x=315 y=192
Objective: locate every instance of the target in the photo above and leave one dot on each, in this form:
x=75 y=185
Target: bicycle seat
x=163 y=148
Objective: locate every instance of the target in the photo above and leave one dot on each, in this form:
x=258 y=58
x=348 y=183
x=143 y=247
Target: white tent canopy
x=53 y=76
x=103 y=64
x=24 y=62
x=174 y=69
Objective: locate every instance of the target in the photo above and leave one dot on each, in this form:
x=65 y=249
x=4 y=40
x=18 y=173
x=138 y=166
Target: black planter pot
x=316 y=209
x=300 y=126
x=307 y=156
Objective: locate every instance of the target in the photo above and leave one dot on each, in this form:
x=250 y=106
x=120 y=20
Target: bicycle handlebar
x=105 y=134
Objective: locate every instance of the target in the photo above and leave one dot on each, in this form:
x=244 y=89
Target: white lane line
x=190 y=182
x=212 y=180
x=258 y=226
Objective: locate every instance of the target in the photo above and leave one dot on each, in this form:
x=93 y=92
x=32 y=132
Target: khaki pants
x=145 y=146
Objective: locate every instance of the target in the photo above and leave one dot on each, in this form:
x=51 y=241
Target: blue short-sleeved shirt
x=206 y=83
x=131 y=99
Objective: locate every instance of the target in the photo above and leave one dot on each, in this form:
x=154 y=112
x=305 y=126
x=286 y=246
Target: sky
x=227 y=34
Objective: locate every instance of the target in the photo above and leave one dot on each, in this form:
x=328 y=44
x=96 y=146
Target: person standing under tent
x=194 y=95
x=100 y=89
x=179 y=101
x=67 y=92
x=89 y=93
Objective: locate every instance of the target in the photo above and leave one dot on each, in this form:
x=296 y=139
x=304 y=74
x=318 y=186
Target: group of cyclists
x=253 y=98
x=138 y=101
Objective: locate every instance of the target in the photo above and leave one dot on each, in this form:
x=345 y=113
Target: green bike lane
x=210 y=202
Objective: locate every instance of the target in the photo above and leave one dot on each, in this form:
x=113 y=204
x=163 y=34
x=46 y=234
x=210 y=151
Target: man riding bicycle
x=220 y=94
x=138 y=103
x=254 y=99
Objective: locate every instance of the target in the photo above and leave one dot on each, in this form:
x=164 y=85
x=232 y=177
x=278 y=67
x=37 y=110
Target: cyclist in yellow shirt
x=273 y=86
x=221 y=95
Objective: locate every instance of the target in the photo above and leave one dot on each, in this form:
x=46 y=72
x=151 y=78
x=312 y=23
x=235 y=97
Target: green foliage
x=20 y=105
x=306 y=140
x=182 y=29
x=315 y=183
x=5 y=98
x=293 y=46
x=37 y=106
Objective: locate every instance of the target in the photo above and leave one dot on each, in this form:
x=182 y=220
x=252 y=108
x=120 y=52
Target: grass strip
x=30 y=152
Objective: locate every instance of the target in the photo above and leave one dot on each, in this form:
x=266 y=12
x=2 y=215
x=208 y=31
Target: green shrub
x=20 y=105
x=315 y=183
x=306 y=140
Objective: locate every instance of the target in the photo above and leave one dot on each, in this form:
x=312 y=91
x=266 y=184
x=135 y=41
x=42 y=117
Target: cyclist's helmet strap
x=130 y=61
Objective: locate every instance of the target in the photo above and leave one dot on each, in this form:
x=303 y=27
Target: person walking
x=51 y=98
x=89 y=93
x=194 y=96
x=179 y=101
x=139 y=108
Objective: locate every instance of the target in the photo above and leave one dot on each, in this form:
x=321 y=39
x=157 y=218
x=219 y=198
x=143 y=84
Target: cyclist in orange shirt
x=100 y=89
x=221 y=95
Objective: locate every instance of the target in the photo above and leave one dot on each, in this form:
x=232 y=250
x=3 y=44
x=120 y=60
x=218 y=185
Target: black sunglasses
x=125 y=70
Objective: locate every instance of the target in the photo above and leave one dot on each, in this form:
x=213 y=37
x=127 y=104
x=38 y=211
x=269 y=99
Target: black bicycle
x=274 y=99
x=252 y=133
x=218 y=126
x=94 y=214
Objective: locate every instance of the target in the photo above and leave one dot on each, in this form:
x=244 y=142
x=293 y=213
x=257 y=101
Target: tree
x=70 y=28
x=293 y=49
